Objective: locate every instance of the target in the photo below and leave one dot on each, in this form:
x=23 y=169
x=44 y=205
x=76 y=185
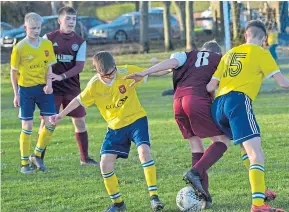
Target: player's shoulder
x=93 y=81
x=21 y=44
x=78 y=38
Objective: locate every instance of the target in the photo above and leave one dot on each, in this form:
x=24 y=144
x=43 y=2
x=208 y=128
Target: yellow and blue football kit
x=31 y=63
x=240 y=74
x=119 y=105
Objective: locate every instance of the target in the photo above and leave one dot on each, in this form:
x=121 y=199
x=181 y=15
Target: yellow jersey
x=32 y=62
x=243 y=69
x=273 y=38
x=117 y=102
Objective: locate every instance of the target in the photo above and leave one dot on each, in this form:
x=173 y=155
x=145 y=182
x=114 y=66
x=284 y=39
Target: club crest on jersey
x=122 y=89
x=75 y=47
x=46 y=53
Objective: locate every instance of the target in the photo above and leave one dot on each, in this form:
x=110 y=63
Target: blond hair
x=31 y=18
x=103 y=62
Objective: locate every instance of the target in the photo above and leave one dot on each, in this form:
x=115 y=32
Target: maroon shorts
x=193 y=115
x=79 y=112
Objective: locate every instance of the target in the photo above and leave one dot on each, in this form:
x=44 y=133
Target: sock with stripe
x=112 y=187
x=43 y=140
x=150 y=173
x=245 y=158
x=257 y=181
x=25 y=141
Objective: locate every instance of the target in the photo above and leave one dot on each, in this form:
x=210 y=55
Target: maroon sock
x=205 y=181
x=196 y=156
x=210 y=157
x=82 y=140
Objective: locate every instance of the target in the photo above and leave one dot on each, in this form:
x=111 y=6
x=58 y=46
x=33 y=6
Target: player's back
x=243 y=69
x=195 y=74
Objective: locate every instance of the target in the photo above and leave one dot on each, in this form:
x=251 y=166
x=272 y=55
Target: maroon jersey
x=66 y=48
x=195 y=74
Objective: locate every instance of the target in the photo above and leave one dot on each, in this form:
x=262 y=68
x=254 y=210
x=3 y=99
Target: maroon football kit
x=192 y=102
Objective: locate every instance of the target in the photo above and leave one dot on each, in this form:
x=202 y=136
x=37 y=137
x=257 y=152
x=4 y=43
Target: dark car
x=50 y=23
x=127 y=27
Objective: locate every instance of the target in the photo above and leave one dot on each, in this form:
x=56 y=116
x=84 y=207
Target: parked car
x=127 y=27
x=208 y=26
x=5 y=27
x=50 y=23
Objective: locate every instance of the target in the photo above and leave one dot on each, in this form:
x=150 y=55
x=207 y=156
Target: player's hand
x=136 y=77
x=48 y=90
x=55 y=119
x=55 y=77
x=16 y=101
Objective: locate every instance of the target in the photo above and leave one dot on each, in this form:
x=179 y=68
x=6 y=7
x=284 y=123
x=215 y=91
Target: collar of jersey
x=35 y=47
x=109 y=84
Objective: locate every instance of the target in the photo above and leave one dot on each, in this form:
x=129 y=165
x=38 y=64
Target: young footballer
x=239 y=77
x=70 y=50
x=31 y=62
x=119 y=105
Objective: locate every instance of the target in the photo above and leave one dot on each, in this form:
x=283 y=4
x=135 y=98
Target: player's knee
x=79 y=124
x=221 y=138
x=144 y=153
x=27 y=124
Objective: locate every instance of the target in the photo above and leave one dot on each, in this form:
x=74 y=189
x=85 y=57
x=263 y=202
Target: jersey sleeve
x=15 y=59
x=220 y=70
x=268 y=65
x=81 y=53
x=181 y=57
x=86 y=97
x=51 y=58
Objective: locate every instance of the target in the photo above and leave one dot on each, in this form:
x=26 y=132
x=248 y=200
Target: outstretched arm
x=281 y=80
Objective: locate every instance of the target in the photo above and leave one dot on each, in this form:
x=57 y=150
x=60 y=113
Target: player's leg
x=82 y=140
x=111 y=182
x=27 y=107
x=183 y=122
x=245 y=130
x=81 y=135
x=58 y=102
x=139 y=134
x=45 y=103
x=115 y=145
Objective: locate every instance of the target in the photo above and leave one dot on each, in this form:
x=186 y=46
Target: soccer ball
x=188 y=201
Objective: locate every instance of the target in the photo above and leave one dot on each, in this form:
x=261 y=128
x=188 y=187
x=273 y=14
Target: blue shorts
x=118 y=141
x=29 y=96
x=234 y=115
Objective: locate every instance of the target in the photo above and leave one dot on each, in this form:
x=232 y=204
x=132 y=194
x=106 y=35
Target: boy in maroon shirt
x=70 y=51
x=192 y=71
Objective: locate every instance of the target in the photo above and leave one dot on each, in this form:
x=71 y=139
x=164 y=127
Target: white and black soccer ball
x=188 y=201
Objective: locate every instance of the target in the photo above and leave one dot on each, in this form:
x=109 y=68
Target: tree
x=144 y=27
x=235 y=19
x=180 y=7
x=218 y=17
x=167 y=26
x=190 y=35
x=53 y=8
x=136 y=6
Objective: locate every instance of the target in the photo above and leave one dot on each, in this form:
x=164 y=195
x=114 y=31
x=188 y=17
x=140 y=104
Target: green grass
x=69 y=187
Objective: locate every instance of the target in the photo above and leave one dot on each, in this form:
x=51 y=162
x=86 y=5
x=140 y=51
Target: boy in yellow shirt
x=119 y=105
x=31 y=61
x=273 y=40
x=239 y=77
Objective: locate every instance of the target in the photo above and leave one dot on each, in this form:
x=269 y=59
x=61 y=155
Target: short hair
x=103 y=62
x=257 y=29
x=67 y=10
x=32 y=18
x=212 y=46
